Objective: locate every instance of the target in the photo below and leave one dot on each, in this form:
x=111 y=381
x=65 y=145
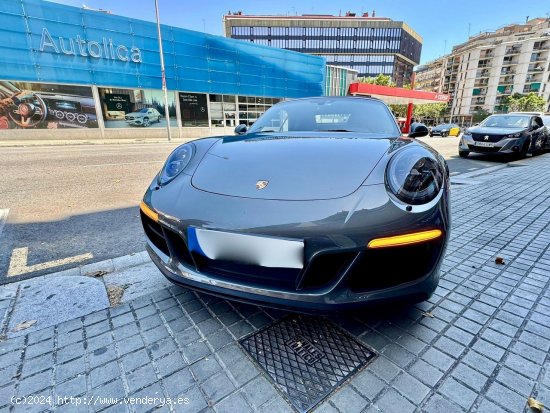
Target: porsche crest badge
x=261 y=184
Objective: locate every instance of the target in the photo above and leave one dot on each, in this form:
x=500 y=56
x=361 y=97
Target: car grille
x=480 y=137
x=129 y=117
x=360 y=270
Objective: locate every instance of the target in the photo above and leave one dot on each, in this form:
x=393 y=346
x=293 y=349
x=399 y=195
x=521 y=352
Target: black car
x=446 y=129
x=516 y=134
x=321 y=205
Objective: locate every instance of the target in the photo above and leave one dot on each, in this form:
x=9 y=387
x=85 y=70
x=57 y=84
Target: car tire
x=524 y=150
x=158 y=120
x=444 y=134
x=146 y=122
x=538 y=146
x=431 y=135
x=463 y=154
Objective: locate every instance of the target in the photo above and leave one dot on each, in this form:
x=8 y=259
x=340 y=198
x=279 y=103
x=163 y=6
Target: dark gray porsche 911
x=321 y=205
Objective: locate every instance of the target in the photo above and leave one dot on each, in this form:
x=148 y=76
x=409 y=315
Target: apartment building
x=481 y=72
x=429 y=75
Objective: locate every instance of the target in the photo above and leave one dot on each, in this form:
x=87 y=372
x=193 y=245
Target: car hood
x=495 y=131
x=298 y=167
x=136 y=114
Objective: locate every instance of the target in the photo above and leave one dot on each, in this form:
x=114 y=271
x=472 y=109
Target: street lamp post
x=163 y=73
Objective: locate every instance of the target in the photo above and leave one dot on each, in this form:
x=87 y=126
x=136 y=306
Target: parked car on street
x=516 y=134
x=546 y=121
x=446 y=129
x=143 y=117
x=320 y=205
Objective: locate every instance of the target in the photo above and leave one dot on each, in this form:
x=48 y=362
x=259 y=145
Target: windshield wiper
x=332 y=130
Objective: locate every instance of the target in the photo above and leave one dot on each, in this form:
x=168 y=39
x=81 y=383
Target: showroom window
x=193 y=109
x=251 y=108
x=132 y=108
x=223 y=110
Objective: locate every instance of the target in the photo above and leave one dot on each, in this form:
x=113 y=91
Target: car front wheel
x=444 y=134
x=463 y=154
x=146 y=122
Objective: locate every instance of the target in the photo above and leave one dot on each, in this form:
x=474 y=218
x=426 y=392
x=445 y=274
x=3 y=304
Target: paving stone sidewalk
x=486 y=349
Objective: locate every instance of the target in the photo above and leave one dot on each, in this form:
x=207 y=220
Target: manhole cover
x=307 y=357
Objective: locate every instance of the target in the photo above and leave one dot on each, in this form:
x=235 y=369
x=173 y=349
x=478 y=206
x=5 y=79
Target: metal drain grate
x=307 y=357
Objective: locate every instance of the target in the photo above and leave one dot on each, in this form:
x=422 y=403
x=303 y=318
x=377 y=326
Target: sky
x=442 y=24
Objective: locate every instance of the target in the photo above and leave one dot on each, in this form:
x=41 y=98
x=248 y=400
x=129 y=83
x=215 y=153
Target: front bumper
x=504 y=146
x=339 y=271
x=134 y=122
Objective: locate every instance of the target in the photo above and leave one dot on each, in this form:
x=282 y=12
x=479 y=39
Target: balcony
x=482 y=73
x=481 y=83
x=540 y=46
x=479 y=92
x=533 y=87
x=535 y=68
x=507 y=61
x=504 y=90
x=478 y=101
x=513 y=50
x=486 y=53
x=538 y=57
x=535 y=77
x=506 y=79
x=507 y=71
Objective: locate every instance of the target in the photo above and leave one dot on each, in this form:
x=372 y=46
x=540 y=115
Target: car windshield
x=545 y=120
x=508 y=121
x=144 y=110
x=443 y=126
x=328 y=115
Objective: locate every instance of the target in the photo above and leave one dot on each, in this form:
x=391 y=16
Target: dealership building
x=86 y=74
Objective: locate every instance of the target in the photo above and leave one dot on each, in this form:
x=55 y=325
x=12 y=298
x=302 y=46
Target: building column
x=98 y=111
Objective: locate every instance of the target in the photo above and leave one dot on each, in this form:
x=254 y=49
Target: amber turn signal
x=406 y=239
x=148 y=211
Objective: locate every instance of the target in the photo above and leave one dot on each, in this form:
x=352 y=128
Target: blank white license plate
x=486 y=144
x=247 y=249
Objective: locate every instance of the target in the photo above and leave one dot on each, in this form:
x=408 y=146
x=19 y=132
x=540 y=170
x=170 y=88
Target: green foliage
x=430 y=110
x=479 y=114
x=381 y=80
x=525 y=103
x=400 y=111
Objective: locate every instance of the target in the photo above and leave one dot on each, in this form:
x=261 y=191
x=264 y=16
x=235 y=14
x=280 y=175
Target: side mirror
x=240 y=129
x=476 y=124
x=418 y=130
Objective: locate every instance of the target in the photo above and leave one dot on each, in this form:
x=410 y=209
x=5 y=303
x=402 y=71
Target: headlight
x=414 y=175
x=467 y=133
x=176 y=162
x=514 y=135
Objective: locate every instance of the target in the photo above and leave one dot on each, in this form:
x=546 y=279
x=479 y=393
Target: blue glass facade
x=46 y=42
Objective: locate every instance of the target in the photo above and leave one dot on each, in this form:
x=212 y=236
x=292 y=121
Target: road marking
x=454 y=173
x=18 y=262
x=121 y=163
x=473 y=169
x=3 y=218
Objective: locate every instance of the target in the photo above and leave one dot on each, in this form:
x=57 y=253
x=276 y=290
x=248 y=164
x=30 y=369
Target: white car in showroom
x=143 y=117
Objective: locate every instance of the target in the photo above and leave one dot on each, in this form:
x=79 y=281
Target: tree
x=430 y=110
x=400 y=111
x=525 y=103
x=381 y=80
x=479 y=114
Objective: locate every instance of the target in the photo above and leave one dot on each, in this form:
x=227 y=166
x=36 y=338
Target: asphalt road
x=64 y=206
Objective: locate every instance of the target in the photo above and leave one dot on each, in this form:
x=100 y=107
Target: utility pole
x=163 y=73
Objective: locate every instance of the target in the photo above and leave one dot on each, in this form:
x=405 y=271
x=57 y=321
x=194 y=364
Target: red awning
x=396 y=95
